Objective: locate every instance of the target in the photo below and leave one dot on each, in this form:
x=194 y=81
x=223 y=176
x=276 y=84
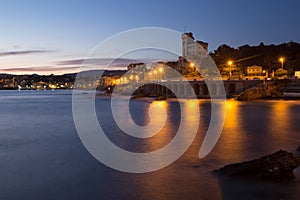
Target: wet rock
x=277 y=167
x=297 y=174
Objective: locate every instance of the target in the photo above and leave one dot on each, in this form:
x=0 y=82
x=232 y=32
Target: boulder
x=276 y=167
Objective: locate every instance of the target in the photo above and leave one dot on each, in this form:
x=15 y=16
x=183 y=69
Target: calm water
x=42 y=157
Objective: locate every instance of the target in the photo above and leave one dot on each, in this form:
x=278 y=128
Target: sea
x=43 y=157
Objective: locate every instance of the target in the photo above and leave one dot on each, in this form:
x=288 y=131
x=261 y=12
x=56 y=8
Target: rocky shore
x=275 y=167
x=266 y=90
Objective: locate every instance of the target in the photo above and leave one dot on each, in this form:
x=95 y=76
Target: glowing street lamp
x=281 y=59
x=192 y=64
x=265 y=73
x=230 y=62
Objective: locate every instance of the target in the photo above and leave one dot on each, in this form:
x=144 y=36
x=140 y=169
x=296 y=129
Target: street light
x=230 y=64
x=281 y=59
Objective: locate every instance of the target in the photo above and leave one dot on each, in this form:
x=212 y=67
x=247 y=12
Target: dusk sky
x=40 y=36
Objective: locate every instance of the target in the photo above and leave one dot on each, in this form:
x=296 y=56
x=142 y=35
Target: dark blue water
x=42 y=157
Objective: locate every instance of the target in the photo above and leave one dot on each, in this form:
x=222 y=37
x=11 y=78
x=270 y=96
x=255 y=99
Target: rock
x=277 y=167
x=298 y=149
x=270 y=90
x=297 y=174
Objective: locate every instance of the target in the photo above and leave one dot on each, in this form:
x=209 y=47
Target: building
x=107 y=81
x=255 y=72
x=138 y=67
x=137 y=71
x=297 y=74
x=281 y=73
x=191 y=49
x=182 y=65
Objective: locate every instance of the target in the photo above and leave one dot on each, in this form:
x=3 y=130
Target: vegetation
x=263 y=55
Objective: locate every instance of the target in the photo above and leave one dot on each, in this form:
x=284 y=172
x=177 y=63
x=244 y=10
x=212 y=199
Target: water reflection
x=190 y=109
x=233 y=141
x=182 y=180
x=280 y=116
x=279 y=119
x=42 y=155
x=268 y=126
x=164 y=136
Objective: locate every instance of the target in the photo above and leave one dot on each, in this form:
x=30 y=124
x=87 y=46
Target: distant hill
x=72 y=75
x=98 y=72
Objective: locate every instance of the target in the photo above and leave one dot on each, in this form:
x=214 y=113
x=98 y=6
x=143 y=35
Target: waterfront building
x=107 y=81
x=192 y=50
x=297 y=74
x=255 y=72
x=281 y=73
x=137 y=71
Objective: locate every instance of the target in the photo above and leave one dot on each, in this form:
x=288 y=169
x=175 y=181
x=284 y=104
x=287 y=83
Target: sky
x=49 y=36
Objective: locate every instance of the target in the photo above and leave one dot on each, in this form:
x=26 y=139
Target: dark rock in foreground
x=277 y=167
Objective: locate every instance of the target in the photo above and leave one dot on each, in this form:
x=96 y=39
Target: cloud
x=16 y=53
x=117 y=63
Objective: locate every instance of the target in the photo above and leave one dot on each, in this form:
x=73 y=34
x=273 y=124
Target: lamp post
x=281 y=59
x=264 y=73
x=264 y=82
x=230 y=64
x=191 y=67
